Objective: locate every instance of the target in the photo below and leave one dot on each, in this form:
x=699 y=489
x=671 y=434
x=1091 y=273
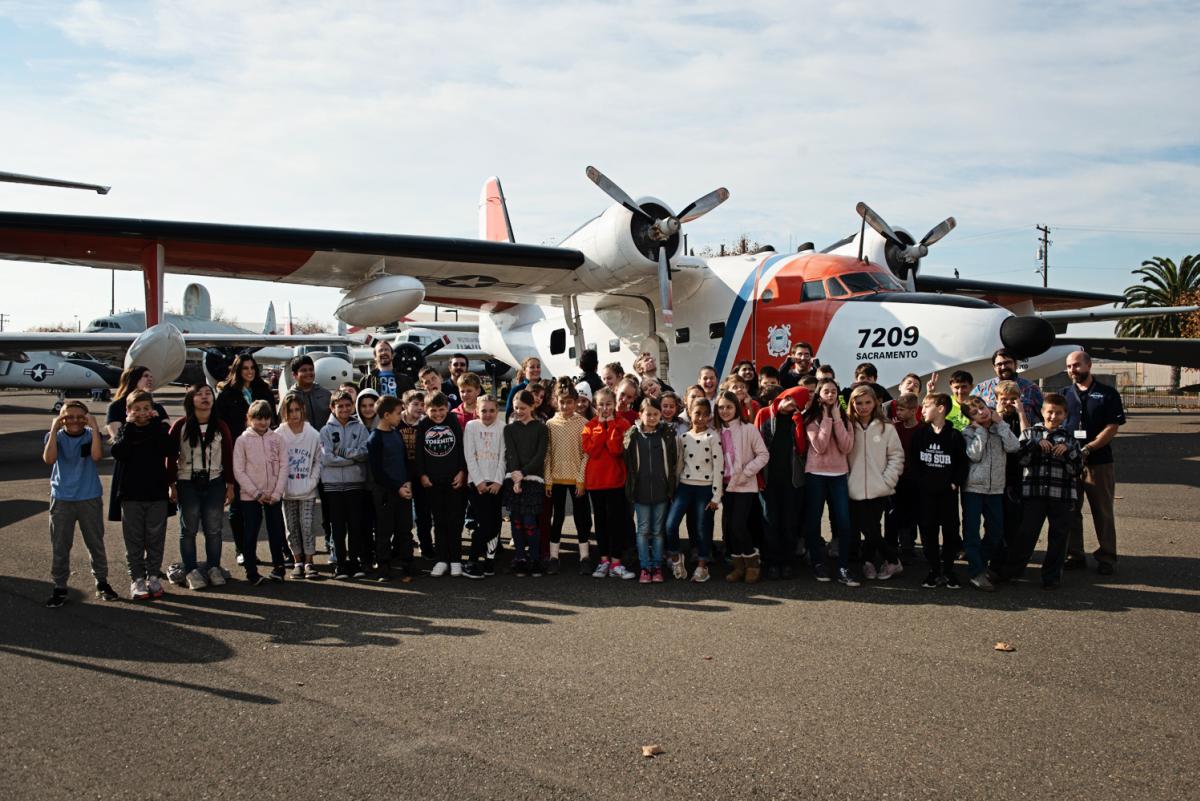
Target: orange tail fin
x=494 y=224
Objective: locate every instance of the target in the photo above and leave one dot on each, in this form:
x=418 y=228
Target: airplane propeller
x=660 y=229
x=17 y=178
x=908 y=253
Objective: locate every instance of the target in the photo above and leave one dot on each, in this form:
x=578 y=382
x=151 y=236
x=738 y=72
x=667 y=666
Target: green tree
x=1162 y=284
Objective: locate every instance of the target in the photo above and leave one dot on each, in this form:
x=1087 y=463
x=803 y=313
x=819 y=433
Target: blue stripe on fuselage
x=735 y=314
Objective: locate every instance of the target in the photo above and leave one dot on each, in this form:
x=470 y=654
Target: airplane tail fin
x=341 y=329
x=494 y=224
x=270 y=326
x=197 y=302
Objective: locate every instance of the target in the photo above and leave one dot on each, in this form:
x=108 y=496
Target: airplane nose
x=1027 y=335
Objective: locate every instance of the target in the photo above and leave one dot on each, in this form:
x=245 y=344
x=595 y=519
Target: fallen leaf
x=299 y=684
x=651 y=751
x=1004 y=646
x=707 y=658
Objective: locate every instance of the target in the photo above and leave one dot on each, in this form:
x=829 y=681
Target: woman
x=242 y=386
x=133 y=378
x=531 y=372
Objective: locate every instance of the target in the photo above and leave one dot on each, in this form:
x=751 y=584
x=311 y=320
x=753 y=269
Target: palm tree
x=1163 y=284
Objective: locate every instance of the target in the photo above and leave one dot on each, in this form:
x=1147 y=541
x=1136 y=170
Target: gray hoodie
x=344 y=455
x=987 y=450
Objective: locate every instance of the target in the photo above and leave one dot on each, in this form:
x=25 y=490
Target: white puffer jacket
x=876 y=461
x=987 y=450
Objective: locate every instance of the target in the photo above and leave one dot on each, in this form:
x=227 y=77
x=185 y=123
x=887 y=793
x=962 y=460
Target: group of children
x=636 y=460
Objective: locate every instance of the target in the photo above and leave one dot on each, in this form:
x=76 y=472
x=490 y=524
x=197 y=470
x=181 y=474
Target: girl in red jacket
x=604 y=479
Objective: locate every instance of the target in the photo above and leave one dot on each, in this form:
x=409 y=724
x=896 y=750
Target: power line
x=1119 y=230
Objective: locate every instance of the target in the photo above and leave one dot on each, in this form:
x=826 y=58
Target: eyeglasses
x=1006 y=363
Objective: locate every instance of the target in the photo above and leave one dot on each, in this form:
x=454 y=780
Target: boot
x=753 y=568
x=739 y=569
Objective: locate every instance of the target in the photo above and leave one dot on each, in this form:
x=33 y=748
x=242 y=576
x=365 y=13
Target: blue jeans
x=201 y=508
x=836 y=491
x=650 y=519
x=253 y=514
x=992 y=509
x=691 y=500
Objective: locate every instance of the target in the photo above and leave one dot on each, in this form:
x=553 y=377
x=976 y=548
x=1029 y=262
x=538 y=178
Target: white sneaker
x=439 y=570
x=216 y=577
x=869 y=571
x=621 y=572
x=601 y=569
x=138 y=591
x=175 y=574
x=196 y=580
x=679 y=567
x=455 y=569
x=155 y=587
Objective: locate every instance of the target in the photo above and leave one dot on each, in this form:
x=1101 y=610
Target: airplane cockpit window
x=889 y=282
x=342 y=349
x=813 y=290
x=860 y=282
x=834 y=288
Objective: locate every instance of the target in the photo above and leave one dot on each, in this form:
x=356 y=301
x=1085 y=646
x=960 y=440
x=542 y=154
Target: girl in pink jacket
x=830 y=439
x=745 y=455
x=260 y=467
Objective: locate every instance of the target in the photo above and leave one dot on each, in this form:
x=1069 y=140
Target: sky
x=388 y=117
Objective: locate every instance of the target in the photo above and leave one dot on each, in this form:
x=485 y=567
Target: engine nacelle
x=619 y=248
x=162 y=349
x=381 y=300
x=896 y=258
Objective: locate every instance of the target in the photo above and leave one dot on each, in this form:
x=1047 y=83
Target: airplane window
x=888 y=282
x=716 y=330
x=767 y=296
x=682 y=335
x=834 y=288
x=860 y=282
x=614 y=345
x=813 y=290
x=571 y=352
x=558 y=341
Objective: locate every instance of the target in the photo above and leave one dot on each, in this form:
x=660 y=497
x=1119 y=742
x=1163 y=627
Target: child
x=651 y=473
x=414 y=413
x=909 y=385
x=876 y=463
x=604 y=478
x=627 y=398
x=391 y=492
x=469 y=390
x=768 y=378
x=73 y=448
x=672 y=406
x=260 y=467
x=583 y=406
x=699 y=491
x=901 y=521
x=431 y=381
x=745 y=371
x=364 y=406
x=826 y=479
x=961 y=384
x=200 y=468
x=302 y=454
x=526 y=441
x=1012 y=411
x=650 y=388
x=749 y=406
x=483 y=449
x=344 y=475
x=782 y=428
x=141 y=447
x=987 y=439
x=744 y=455
x=1051 y=460
x=443 y=472
x=564 y=476
x=941 y=468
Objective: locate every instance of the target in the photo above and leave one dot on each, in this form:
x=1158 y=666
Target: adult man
x=1094 y=413
x=1005 y=365
x=383 y=378
x=458 y=366
x=646 y=366
x=316 y=397
x=796 y=366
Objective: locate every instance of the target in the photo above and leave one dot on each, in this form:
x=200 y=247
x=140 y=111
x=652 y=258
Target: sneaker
x=821 y=574
x=241 y=559
x=869 y=572
x=154 y=586
x=359 y=573
x=889 y=570
x=552 y=567
x=679 y=567
x=700 y=574
x=310 y=572
x=298 y=571
x=845 y=577
x=176 y=575
x=520 y=568
x=216 y=577
x=341 y=575
x=196 y=580
x=289 y=560
x=57 y=598
x=440 y=569
x=621 y=572
x=474 y=570
x=657 y=575
x=585 y=567
x=257 y=580
x=932 y=580
x=383 y=575
x=277 y=574
x=951 y=581
x=105 y=592
x=489 y=567
x=138 y=591
x=535 y=568
x=456 y=569
x=644 y=578
x=981 y=582
x=601 y=569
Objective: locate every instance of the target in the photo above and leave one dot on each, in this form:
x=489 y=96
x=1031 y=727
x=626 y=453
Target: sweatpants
x=393 y=519
x=739 y=508
x=581 y=512
x=486 y=512
x=144 y=527
x=939 y=512
x=298 y=517
x=1099 y=484
x=424 y=515
x=785 y=504
x=611 y=510
x=1037 y=512
x=866 y=519
x=64 y=515
x=345 y=508
x=449 y=507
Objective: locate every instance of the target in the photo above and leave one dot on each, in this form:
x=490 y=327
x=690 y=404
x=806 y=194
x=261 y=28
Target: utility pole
x=1044 y=253
x=3 y=318
x=112 y=307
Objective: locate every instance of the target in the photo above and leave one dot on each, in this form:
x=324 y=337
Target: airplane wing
x=1007 y=295
x=466 y=272
x=15 y=345
x=1173 y=352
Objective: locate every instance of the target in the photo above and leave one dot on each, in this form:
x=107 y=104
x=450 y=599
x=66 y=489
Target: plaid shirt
x=1044 y=475
x=1031 y=395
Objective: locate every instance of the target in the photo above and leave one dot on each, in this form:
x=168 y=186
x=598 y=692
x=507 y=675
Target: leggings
x=582 y=512
x=612 y=519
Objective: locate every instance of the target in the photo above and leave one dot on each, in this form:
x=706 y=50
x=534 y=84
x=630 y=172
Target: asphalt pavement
x=514 y=688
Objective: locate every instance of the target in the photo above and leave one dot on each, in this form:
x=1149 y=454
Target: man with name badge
x=383 y=377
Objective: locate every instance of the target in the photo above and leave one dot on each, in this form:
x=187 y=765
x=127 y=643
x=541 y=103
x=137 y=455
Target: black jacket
x=143 y=452
x=231 y=406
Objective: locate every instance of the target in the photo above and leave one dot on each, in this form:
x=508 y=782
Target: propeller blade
x=698 y=208
x=17 y=178
x=664 y=287
x=616 y=193
x=938 y=231
x=878 y=223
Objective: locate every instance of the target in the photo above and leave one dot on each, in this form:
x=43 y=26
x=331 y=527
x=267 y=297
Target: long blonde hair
x=876 y=413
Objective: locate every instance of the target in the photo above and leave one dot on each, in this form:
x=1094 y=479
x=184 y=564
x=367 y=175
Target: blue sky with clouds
x=389 y=116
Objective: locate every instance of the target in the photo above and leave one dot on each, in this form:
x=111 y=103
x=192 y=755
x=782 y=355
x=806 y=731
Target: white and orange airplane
x=620 y=284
